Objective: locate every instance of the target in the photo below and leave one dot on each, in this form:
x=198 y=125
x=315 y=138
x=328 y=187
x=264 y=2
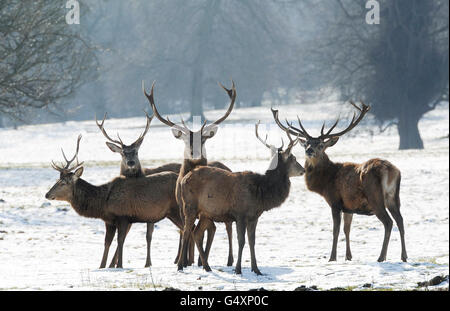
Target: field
x=46 y=246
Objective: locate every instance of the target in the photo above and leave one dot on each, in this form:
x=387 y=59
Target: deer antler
x=363 y=110
x=265 y=140
x=292 y=142
x=101 y=127
x=67 y=168
x=156 y=113
x=147 y=126
x=290 y=128
x=232 y=94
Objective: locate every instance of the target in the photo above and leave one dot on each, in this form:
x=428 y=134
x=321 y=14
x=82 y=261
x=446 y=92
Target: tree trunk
x=408 y=130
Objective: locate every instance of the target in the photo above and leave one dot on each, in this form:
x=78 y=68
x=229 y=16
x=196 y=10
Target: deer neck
x=274 y=186
x=88 y=200
x=136 y=172
x=319 y=172
x=190 y=164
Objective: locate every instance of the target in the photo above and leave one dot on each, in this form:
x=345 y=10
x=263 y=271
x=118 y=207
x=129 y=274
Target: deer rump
x=143 y=199
x=376 y=178
x=223 y=197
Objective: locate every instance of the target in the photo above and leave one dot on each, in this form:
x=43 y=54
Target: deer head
x=194 y=140
x=130 y=164
x=315 y=146
x=280 y=156
x=69 y=174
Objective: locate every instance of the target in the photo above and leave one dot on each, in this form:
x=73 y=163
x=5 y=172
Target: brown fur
x=214 y=194
x=367 y=188
x=187 y=166
x=121 y=202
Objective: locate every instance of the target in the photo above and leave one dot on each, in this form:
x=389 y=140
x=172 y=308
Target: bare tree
x=189 y=46
x=42 y=59
x=400 y=66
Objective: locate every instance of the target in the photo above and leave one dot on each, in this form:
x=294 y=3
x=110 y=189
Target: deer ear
x=210 y=131
x=176 y=133
x=78 y=172
x=114 y=148
x=331 y=142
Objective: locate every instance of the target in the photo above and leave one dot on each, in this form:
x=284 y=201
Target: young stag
x=195 y=155
x=218 y=195
x=119 y=202
x=130 y=167
x=367 y=188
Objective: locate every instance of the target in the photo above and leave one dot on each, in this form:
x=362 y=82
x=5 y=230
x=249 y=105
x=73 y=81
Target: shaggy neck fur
x=320 y=172
x=88 y=200
x=136 y=172
x=273 y=187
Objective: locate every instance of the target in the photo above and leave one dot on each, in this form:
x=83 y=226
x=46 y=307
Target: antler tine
x=232 y=94
x=280 y=125
x=155 y=110
x=259 y=138
x=68 y=162
x=303 y=132
x=331 y=128
x=102 y=129
x=355 y=120
x=57 y=167
x=147 y=126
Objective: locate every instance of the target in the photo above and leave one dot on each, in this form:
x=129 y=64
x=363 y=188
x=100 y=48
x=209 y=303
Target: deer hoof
x=257 y=271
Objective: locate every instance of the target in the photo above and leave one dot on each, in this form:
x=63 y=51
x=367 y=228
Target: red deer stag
x=195 y=155
x=368 y=188
x=130 y=167
x=119 y=202
x=218 y=195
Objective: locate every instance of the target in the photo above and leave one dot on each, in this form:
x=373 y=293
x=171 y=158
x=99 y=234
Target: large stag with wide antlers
x=368 y=188
x=218 y=195
x=195 y=155
x=119 y=202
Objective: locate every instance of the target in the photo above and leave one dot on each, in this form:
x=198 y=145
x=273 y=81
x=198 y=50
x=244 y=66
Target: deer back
x=144 y=199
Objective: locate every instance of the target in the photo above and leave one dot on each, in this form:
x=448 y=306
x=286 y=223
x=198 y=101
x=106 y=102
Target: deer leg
x=150 y=228
x=240 y=229
x=189 y=260
x=200 y=240
x=336 y=213
x=251 y=234
x=189 y=221
x=387 y=223
x=199 y=231
x=176 y=220
x=211 y=229
x=122 y=233
x=229 y=227
x=347 y=224
x=395 y=212
x=109 y=236
x=113 y=262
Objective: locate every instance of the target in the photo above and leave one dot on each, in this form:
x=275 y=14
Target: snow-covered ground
x=46 y=245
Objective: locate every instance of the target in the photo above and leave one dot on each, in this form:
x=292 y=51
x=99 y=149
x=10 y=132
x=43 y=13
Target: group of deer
x=211 y=192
